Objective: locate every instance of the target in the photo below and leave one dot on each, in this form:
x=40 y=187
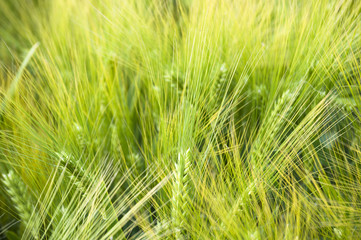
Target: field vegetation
x=180 y=119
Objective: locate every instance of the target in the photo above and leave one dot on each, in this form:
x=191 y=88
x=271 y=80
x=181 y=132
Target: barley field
x=180 y=119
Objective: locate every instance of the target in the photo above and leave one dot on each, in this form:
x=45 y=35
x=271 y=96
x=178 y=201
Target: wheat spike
x=180 y=192
x=22 y=200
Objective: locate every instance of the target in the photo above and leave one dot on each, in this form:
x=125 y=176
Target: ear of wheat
x=219 y=88
x=271 y=127
x=23 y=202
x=180 y=192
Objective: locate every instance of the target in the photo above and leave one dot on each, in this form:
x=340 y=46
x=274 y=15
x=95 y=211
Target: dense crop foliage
x=182 y=119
